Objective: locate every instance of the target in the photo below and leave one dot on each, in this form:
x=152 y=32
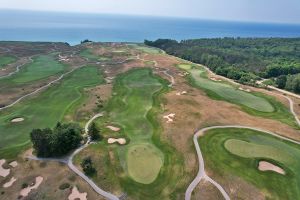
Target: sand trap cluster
x=183 y=74
x=10 y=182
x=169 y=117
x=246 y=90
x=181 y=93
x=119 y=140
x=109 y=79
x=63 y=58
x=75 y=195
x=25 y=191
x=19 y=119
x=214 y=79
x=113 y=128
x=266 y=166
x=13 y=164
x=3 y=172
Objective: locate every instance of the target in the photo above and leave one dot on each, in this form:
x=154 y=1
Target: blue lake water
x=72 y=28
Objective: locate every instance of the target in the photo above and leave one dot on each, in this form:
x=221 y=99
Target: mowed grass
x=5 y=60
x=129 y=109
x=43 y=111
x=252 y=102
x=87 y=53
x=233 y=151
x=146 y=49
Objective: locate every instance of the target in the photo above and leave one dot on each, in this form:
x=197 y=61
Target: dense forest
x=242 y=59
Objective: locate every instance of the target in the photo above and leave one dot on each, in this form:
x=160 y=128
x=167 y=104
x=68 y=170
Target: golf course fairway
x=234 y=151
x=5 y=60
x=253 y=103
x=129 y=109
x=43 y=111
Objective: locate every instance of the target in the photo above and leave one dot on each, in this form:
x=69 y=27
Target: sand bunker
x=214 y=79
x=63 y=58
x=75 y=195
x=119 y=140
x=266 y=166
x=183 y=74
x=116 y=129
x=38 y=180
x=169 y=117
x=19 y=119
x=181 y=93
x=13 y=164
x=10 y=182
x=246 y=90
x=3 y=172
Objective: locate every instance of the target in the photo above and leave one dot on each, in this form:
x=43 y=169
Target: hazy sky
x=239 y=10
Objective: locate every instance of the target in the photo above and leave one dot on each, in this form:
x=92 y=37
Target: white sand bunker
x=10 y=182
x=183 y=74
x=266 y=166
x=246 y=90
x=75 y=195
x=169 y=117
x=113 y=128
x=214 y=79
x=181 y=93
x=63 y=58
x=119 y=140
x=19 y=119
x=13 y=164
x=3 y=172
x=25 y=191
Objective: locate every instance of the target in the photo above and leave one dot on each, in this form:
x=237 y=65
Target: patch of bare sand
x=169 y=117
x=13 y=164
x=16 y=120
x=76 y=195
x=121 y=141
x=33 y=186
x=266 y=166
x=113 y=128
x=3 y=172
x=10 y=182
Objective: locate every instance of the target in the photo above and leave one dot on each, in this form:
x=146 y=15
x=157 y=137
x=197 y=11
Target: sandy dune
x=3 y=172
x=75 y=195
x=266 y=166
x=25 y=191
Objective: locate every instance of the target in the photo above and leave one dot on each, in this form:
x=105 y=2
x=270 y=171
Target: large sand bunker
x=119 y=140
x=75 y=195
x=113 y=128
x=3 y=172
x=19 y=119
x=10 y=182
x=25 y=191
x=169 y=117
x=266 y=166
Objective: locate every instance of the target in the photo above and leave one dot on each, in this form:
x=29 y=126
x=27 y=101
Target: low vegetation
x=5 y=60
x=94 y=132
x=56 y=142
x=88 y=167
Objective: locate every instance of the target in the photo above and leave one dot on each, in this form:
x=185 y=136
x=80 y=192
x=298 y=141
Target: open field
x=5 y=60
x=252 y=102
x=232 y=152
x=44 y=110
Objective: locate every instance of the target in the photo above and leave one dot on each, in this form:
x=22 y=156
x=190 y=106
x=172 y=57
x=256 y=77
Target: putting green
x=5 y=60
x=237 y=152
x=129 y=108
x=43 y=111
x=139 y=158
x=227 y=91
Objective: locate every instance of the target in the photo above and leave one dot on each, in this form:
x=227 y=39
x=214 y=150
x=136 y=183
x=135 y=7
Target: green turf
x=45 y=110
x=233 y=151
x=254 y=103
x=146 y=49
x=87 y=53
x=5 y=60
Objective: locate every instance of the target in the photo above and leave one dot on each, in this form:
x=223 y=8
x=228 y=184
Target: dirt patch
x=121 y=141
x=3 y=172
x=266 y=166
x=33 y=186
x=76 y=195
